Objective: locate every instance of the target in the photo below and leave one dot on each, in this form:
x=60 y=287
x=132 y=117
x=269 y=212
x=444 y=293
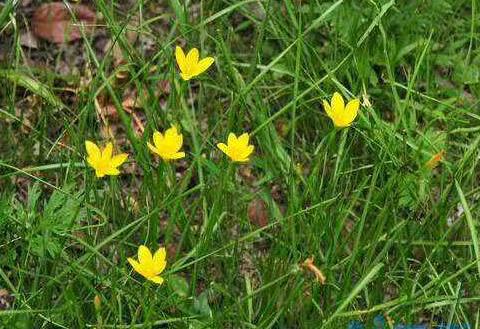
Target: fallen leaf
x=53 y=22
x=258 y=213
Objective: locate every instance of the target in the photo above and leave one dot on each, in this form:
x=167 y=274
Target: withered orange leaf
x=53 y=22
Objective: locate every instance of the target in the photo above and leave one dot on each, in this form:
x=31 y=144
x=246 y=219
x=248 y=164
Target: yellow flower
x=167 y=145
x=102 y=161
x=237 y=149
x=190 y=65
x=150 y=266
x=341 y=115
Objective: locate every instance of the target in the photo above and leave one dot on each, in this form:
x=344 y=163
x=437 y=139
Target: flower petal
x=160 y=255
x=180 y=57
x=186 y=76
x=192 y=59
x=172 y=131
x=346 y=117
x=352 y=107
x=159 y=260
x=174 y=139
x=156 y=279
x=327 y=108
x=157 y=138
x=248 y=150
x=223 y=148
x=112 y=172
x=119 y=159
x=144 y=255
x=203 y=65
x=232 y=139
x=100 y=173
x=107 y=152
x=177 y=142
x=93 y=151
x=243 y=139
x=153 y=148
x=337 y=103
x=136 y=265
x=242 y=159
x=177 y=155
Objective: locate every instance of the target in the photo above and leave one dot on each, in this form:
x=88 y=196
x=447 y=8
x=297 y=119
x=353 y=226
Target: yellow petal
x=223 y=148
x=337 y=103
x=180 y=57
x=249 y=150
x=107 y=152
x=100 y=173
x=176 y=156
x=172 y=131
x=93 y=151
x=345 y=118
x=232 y=139
x=136 y=265
x=174 y=139
x=157 y=139
x=119 y=159
x=144 y=255
x=352 y=108
x=327 y=108
x=112 y=172
x=243 y=139
x=192 y=59
x=152 y=148
x=160 y=255
x=159 y=260
x=156 y=279
x=242 y=159
x=186 y=76
x=203 y=65
x=176 y=142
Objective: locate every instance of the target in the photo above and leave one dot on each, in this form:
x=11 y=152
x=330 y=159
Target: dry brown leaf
x=258 y=213
x=52 y=22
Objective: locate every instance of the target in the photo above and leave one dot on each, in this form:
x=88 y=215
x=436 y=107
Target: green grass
x=384 y=229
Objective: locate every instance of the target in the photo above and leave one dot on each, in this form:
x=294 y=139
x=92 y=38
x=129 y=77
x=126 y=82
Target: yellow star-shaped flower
x=167 y=145
x=341 y=115
x=104 y=162
x=237 y=149
x=190 y=65
x=150 y=266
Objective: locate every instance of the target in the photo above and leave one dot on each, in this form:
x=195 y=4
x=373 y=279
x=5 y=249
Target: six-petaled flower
x=341 y=115
x=237 y=149
x=168 y=144
x=190 y=65
x=103 y=161
x=150 y=266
